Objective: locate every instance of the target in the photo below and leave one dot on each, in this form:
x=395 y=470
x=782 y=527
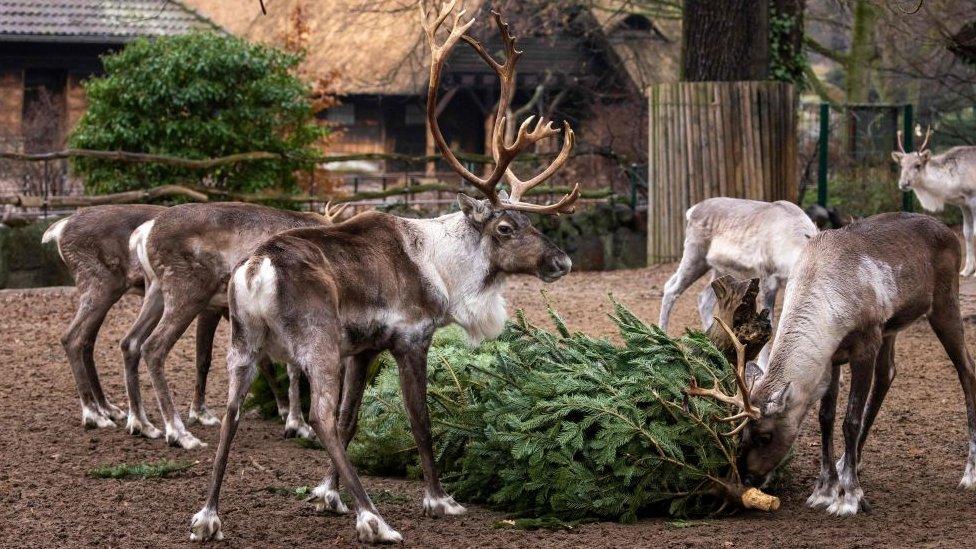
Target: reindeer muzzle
x=555 y=267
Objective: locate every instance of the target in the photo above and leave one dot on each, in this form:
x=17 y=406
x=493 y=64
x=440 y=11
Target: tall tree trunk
x=861 y=59
x=725 y=40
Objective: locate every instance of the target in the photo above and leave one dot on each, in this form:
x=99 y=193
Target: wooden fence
x=715 y=139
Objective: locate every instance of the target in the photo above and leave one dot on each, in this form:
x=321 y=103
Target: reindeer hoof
x=442 y=506
x=202 y=416
x=822 y=497
x=326 y=499
x=373 y=529
x=298 y=428
x=112 y=411
x=968 y=271
x=93 y=419
x=184 y=440
x=844 y=506
x=968 y=481
x=141 y=427
x=205 y=526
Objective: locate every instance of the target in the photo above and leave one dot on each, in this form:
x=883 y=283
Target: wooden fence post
x=715 y=139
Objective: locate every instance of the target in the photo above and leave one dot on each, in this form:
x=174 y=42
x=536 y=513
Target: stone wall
x=605 y=238
x=26 y=263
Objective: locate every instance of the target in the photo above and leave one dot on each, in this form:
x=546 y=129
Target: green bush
x=197 y=96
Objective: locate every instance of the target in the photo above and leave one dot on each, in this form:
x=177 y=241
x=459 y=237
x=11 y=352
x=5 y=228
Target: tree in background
x=197 y=96
x=891 y=52
x=742 y=40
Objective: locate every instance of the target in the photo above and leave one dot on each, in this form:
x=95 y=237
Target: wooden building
x=47 y=47
x=580 y=66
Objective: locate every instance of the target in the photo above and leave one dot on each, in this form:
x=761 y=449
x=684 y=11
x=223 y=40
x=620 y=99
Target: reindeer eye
x=504 y=229
x=764 y=438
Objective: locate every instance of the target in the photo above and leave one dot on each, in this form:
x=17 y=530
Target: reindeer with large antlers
x=317 y=296
x=950 y=178
x=851 y=292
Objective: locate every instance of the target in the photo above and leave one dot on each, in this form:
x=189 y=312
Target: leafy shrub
x=197 y=96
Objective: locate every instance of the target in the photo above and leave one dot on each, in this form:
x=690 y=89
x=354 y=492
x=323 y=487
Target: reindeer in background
x=94 y=245
x=851 y=292
x=741 y=238
x=318 y=296
x=947 y=178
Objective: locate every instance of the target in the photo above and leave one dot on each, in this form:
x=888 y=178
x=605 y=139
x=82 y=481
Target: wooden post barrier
x=711 y=139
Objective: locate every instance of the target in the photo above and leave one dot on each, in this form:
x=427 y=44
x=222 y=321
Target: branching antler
x=741 y=397
x=502 y=153
x=925 y=143
x=332 y=214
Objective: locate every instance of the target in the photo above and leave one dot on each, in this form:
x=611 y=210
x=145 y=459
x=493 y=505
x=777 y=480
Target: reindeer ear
x=925 y=155
x=778 y=400
x=897 y=156
x=477 y=211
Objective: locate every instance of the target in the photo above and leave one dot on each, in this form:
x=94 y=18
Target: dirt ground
x=913 y=460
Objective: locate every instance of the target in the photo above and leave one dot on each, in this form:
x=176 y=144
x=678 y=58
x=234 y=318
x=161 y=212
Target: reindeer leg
x=863 y=358
x=884 y=374
x=152 y=309
x=324 y=372
x=79 y=344
x=770 y=288
x=967 y=232
x=207 y=322
x=241 y=361
x=268 y=372
x=295 y=425
x=178 y=313
x=692 y=267
x=947 y=324
x=411 y=359
x=353 y=385
x=826 y=489
x=706 y=305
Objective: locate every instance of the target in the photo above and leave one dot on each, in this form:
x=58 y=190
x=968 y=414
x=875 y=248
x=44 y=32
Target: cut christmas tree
x=562 y=424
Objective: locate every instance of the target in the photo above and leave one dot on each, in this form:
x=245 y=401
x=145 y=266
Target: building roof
x=102 y=21
x=377 y=46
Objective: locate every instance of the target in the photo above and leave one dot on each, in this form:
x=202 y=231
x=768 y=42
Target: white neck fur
x=454 y=259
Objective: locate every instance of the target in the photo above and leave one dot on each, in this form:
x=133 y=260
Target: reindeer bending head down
x=317 y=296
x=851 y=292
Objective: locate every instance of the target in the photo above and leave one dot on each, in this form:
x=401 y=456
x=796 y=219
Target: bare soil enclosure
x=913 y=459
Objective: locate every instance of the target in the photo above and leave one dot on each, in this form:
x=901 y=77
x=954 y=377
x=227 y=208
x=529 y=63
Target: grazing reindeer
x=949 y=177
x=851 y=291
x=187 y=253
x=316 y=296
x=742 y=238
x=94 y=244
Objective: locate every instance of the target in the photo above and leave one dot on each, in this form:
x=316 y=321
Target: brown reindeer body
x=94 y=245
x=316 y=296
x=851 y=292
x=187 y=253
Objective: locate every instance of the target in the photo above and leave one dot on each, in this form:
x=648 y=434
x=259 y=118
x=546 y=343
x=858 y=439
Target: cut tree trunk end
x=750 y=498
x=736 y=306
